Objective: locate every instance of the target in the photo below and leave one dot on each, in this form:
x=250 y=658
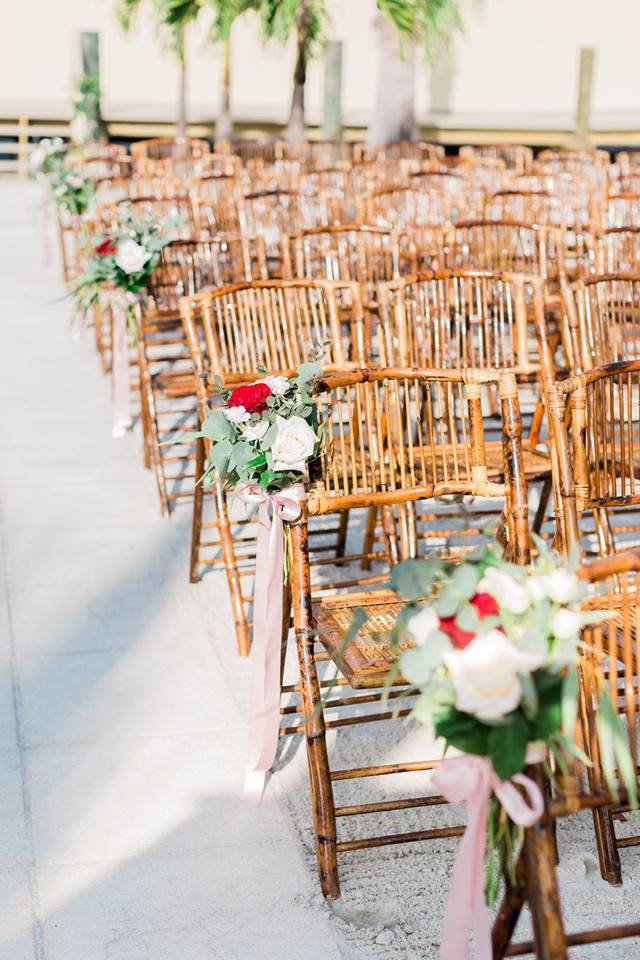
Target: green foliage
x=171 y=17
x=429 y=23
x=306 y=18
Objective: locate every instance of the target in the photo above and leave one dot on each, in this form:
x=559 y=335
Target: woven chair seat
x=367 y=659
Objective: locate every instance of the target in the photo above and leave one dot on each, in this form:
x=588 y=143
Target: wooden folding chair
x=609 y=663
x=230 y=332
x=394 y=437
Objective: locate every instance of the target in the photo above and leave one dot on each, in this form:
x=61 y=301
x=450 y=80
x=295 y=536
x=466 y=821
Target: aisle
x=122 y=836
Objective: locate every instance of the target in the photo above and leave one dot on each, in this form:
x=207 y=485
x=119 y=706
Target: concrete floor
x=123 y=835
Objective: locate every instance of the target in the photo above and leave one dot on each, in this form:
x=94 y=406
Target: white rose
x=423 y=625
x=255 y=431
x=37 y=157
x=566 y=624
x=562 y=586
x=236 y=414
x=75 y=180
x=277 y=385
x=485 y=675
x=131 y=257
x=507 y=591
x=294 y=443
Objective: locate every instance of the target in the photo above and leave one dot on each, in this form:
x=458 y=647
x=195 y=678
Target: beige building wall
x=516 y=62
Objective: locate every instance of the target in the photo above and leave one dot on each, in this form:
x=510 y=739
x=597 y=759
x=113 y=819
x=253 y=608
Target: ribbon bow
x=264 y=695
x=120 y=398
x=472 y=780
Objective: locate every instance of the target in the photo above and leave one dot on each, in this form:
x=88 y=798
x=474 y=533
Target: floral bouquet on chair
x=47 y=158
x=263 y=433
x=493 y=657
x=72 y=191
x=262 y=438
x=124 y=259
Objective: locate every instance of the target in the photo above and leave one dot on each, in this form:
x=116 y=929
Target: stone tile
x=115 y=616
x=7 y=713
x=137 y=692
x=59 y=554
x=165 y=794
x=13 y=841
x=226 y=906
x=16 y=933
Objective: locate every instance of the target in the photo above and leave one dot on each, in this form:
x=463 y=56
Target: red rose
x=106 y=247
x=253 y=397
x=485 y=606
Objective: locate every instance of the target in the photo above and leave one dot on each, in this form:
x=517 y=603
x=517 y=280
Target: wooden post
x=332 y=125
x=90 y=61
x=586 y=77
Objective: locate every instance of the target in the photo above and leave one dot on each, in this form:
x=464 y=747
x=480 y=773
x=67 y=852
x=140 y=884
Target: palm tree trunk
x=181 y=119
x=224 y=123
x=296 y=128
x=394 y=112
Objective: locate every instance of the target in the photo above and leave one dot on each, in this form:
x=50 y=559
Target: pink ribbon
x=472 y=780
x=120 y=398
x=264 y=696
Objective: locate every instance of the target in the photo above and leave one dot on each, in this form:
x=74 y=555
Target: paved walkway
x=122 y=835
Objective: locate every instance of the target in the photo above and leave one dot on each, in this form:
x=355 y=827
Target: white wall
x=516 y=60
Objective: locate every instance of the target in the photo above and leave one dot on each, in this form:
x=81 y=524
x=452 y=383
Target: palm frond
x=430 y=23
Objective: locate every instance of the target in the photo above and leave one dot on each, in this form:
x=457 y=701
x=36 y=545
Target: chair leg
x=543 y=503
x=543 y=893
x=233 y=577
x=196 y=522
x=341 y=541
x=509 y=912
x=369 y=534
x=322 y=805
x=608 y=853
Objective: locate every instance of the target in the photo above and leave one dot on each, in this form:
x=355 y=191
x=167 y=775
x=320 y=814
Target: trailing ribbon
x=120 y=398
x=471 y=780
x=264 y=696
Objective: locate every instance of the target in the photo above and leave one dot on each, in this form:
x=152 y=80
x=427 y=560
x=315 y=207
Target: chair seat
x=369 y=656
x=175 y=383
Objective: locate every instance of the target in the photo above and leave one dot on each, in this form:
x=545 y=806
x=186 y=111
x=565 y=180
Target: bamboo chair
x=275 y=213
x=112 y=191
x=176 y=215
x=249 y=150
x=628 y=162
x=630 y=183
x=605 y=326
x=474 y=319
x=546 y=209
x=163 y=148
x=169 y=402
x=192 y=167
x=396 y=437
x=466 y=198
x=106 y=167
x=516 y=158
x=416 y=150
x=368 y=176
x=595 y=428
x=617 y=250
x=402 y=208
x=623 y=210
x=488 y=173
x=230 y=331
x=608 y=663
x=556 y=257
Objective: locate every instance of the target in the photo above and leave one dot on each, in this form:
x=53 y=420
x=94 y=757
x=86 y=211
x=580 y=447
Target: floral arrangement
x=71 y=190
x=47 y=157
x=493 y=652
x=265 y=432
x=123 y=259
